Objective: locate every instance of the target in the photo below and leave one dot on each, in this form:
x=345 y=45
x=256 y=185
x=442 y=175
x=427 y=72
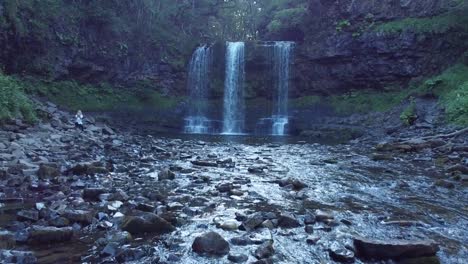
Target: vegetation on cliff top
x=13 y=101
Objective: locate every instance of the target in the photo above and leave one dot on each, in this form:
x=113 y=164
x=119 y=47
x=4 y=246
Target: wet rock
x=309 y=219
x=253 y=221
x=59 y=222
x=309 y=229
x=459 y=167
x=224 y=187
x=130 y=254
x=288 y=221
x=46 y=234
x=444 y=184
x=381 y=156
x=211 y=243
x=93 y=193
x=265 y=250
x=241 y=241
x=147 y=223
x=120 y=237
x=28 y=215
x=237 y=258
x=110 y=249
x=229 y=225
x=7 y=240
x=145 y=207
x=47 y=172
x=204 y=163
x=341 y=254
x=312 y=240
x=14 y=256
x=88 y=169
x=294 y=183
x=393 y=249
x=79 y=216
x=322 y=216
x=166 y=174
x=257 y=169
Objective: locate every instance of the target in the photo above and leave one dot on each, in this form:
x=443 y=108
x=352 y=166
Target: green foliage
x=306 y=101
x=13 y=101
x=341 y=25
x=435 y=25
x=408 y=116
x=365 y=101
x=103 y=97
x=287 y=18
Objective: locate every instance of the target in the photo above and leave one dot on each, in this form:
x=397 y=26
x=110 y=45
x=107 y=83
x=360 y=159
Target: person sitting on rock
x=79 y=120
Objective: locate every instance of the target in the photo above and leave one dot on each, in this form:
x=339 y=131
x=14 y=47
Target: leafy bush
x=13 y=102
x=408 y=116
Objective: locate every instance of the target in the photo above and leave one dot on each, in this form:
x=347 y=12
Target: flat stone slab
x=394 y=249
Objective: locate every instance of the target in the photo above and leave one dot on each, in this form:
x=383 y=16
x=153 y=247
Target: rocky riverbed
x=101 y=196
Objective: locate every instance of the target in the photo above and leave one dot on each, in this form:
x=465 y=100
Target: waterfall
x=281 y=70
x=197 y=122
x=234 y=119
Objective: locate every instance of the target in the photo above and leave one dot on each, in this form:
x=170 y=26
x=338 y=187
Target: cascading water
x=197 y=122
x=281 y=69
x=234 y=118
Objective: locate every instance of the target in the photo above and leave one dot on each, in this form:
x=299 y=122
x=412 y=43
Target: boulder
x=341 y=254
x=47 y=234
x=7 y=240
x=288 y=221
x=237 y=258
x=14 y=256
x=93 y=193
x=47 y=172
x=253 y=221
x=147 y=223
x=394 y=249
x=79 y=216
x=211 y=243
x=28 y=215
x=265 y=250
x=204 y=163
x=166 y=174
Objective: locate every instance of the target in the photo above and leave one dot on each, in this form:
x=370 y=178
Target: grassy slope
x=450 y=87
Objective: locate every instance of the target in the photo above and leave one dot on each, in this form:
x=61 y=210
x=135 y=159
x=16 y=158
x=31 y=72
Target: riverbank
x=105 y=195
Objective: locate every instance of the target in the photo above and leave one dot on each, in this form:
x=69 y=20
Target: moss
x=437 y=24
x=13 y=101
x=365 y=101
x=306 y=101
x=408 y=116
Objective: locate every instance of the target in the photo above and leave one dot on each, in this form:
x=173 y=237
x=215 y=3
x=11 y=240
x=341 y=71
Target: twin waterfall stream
x=233 y=123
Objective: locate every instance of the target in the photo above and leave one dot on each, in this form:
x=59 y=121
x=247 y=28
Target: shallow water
x=364 y=192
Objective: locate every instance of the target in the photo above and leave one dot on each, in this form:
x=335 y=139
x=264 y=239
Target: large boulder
x=14 y=256
x=47 y=234
x=211 y=243
x=393 y=249
x=147 y=223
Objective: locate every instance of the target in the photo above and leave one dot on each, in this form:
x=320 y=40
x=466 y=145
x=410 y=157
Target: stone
x=211 y=243
x=46 y=234
x=341 y=254
x=7 y=240
x=147 y=223
x=265 y=250
x=110 y=249
x=394 y=249
x=93 y=193
x=288 y=221
x=309 y=219
x=312 y=240
x=166 y=174
x=444 y=184
x=229 y=225
x=237 y=258
x=28 y=215
x=15 y=256
x=309 y=229
x=79 y=216
x=204 y=163
x=47 y=172
x=126 y=255
x=253 y=221
x=59 y=222
x=224 y=187
x=322 y=216
x=257 y=169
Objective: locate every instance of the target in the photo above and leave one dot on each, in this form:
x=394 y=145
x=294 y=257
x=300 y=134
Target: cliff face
x=352 y=45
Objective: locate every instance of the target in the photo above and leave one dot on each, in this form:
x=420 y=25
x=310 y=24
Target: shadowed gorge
x=234 y=131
